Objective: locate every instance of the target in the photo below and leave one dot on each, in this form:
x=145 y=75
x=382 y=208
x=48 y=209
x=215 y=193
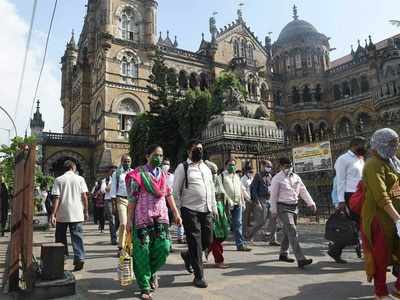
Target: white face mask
x=288 y=171
x=268 y=169
x=165 y=168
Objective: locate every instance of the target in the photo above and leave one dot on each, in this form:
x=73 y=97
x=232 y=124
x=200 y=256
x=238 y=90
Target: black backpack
x=341 y=229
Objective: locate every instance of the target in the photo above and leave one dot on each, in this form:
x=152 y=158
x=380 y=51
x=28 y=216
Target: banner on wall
x=312 y=157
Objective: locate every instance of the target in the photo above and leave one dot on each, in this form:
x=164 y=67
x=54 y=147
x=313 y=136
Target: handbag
x=125 y=263
x=357 y=199
x=341 y=229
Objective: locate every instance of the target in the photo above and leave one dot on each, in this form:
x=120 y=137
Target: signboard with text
x=312 y=157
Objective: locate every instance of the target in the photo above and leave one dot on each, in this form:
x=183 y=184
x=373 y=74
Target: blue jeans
x=237 y=225
x=76 y=233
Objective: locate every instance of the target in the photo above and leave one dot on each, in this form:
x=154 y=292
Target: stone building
x=295 y=93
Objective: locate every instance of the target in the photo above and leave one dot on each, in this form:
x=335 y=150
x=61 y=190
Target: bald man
x=119 y=197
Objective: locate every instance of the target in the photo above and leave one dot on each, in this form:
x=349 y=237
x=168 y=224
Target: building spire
x=295 y=13
x=240 y=11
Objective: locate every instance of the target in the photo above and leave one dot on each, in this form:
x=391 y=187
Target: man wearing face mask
x=260 y=188
x=286 y=189
x=195 y=195
x=349 y=168
x=235 y=194
x=119 y=197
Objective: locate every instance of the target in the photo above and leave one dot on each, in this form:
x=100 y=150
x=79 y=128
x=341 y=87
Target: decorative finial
x=359 y=43
x=352 y=50
x=295 y=13
x=202 y=36
x=240 y=11
x=167 y=33
x=73 y=33
x=38 y=104
x=176 y=42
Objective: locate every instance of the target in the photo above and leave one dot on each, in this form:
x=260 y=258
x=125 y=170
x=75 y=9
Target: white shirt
x=121 y=187
x=69 y=188
x=234 y=190
x=349 y=168
x=170 y=181
x=246 y=182
x=106 y=188
x=287 y=190
x=200 y=194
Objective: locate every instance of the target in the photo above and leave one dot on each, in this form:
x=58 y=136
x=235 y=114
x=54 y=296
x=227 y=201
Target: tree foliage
x=175 y=117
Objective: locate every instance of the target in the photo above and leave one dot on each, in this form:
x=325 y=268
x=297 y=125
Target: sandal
x=154 y=283
x=145 y=295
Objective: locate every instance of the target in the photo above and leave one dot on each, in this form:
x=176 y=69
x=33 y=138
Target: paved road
x=255 y=275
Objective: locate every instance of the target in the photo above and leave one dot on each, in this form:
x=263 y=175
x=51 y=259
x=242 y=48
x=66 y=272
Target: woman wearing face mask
x=148 y=194
x=380 y=218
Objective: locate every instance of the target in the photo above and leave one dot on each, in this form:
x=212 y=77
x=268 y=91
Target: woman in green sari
x=221 y=223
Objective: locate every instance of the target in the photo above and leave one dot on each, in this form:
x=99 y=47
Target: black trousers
x=199 y=237
x=100 y=217
x=336 y=249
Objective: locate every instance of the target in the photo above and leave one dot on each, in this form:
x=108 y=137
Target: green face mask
x=231 y=169
x=156 y=161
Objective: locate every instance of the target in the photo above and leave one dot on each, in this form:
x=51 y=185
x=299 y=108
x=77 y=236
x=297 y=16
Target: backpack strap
x=186 y=167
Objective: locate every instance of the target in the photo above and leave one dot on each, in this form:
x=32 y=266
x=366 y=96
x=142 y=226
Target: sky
x=344 y=21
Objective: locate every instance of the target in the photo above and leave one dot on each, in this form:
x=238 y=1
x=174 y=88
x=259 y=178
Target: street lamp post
x=11 y=119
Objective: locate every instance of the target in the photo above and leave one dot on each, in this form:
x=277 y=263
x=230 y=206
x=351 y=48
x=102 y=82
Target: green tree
x=7 y=156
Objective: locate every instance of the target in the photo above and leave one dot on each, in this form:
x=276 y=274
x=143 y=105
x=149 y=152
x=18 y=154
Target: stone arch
x=183 y=80
x=130 y=22
x=344 y=126
x=117 y=101
x=204 y=81
x=355 y=87
x=53 y=165
x=193 y=81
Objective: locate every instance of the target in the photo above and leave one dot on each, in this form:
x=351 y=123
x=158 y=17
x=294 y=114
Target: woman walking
x=148 y=194
x=221 y=223
x=380 y=219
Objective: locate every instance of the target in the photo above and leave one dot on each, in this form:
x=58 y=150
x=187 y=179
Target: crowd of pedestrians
x=207 y=204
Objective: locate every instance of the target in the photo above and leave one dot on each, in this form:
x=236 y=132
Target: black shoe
x=358 y=251
x=274 y=244
x=285 y=258
x=337 y=259
x=114 y=243
x=188 y=266
x=78 y=265
x=304 y=262
x=243 y=248
x=200 y=283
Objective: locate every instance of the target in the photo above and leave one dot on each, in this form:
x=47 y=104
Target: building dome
x=295 y=29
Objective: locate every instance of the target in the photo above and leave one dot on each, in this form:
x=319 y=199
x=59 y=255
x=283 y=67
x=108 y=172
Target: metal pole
x=11 y=119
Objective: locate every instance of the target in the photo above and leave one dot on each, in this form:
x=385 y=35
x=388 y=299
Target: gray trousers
x=261 y=216
x=288 y=217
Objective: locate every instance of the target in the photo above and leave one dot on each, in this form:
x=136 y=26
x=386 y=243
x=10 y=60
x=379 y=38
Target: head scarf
x=381 y=143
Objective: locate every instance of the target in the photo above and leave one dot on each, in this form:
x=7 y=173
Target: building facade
x=293 y=88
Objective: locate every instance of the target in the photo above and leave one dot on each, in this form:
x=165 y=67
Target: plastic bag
x=125 y=264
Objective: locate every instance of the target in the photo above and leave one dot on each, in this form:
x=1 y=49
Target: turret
x=37 y=123
x=150 y=22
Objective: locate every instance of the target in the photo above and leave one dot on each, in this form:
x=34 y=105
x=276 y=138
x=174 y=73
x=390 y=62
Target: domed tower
x=300 y=58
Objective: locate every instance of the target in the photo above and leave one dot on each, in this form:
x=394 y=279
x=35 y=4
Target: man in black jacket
x=260 y=189
x=4 y=198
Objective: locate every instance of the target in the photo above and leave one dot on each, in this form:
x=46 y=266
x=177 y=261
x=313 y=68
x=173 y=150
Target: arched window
x=204 y=81
x=295 y=95
x=264 y=92
x=346 y=89
x=172 y=78
x=129 y=64
x=344 y=127
x=236 y=48
x=128 y=27
x=128 y=109
x=355 y=88
x=250 y=50
x=193 y=83
x=243 y=49
x=254 y=88
x=337 y=93
x=318 y=93
x=298 y=134
x=363 y=121
x=183 y=81
x=364 y=84
x=306 y=94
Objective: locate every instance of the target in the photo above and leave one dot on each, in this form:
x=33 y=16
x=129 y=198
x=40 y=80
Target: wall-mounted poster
x=313 y=157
